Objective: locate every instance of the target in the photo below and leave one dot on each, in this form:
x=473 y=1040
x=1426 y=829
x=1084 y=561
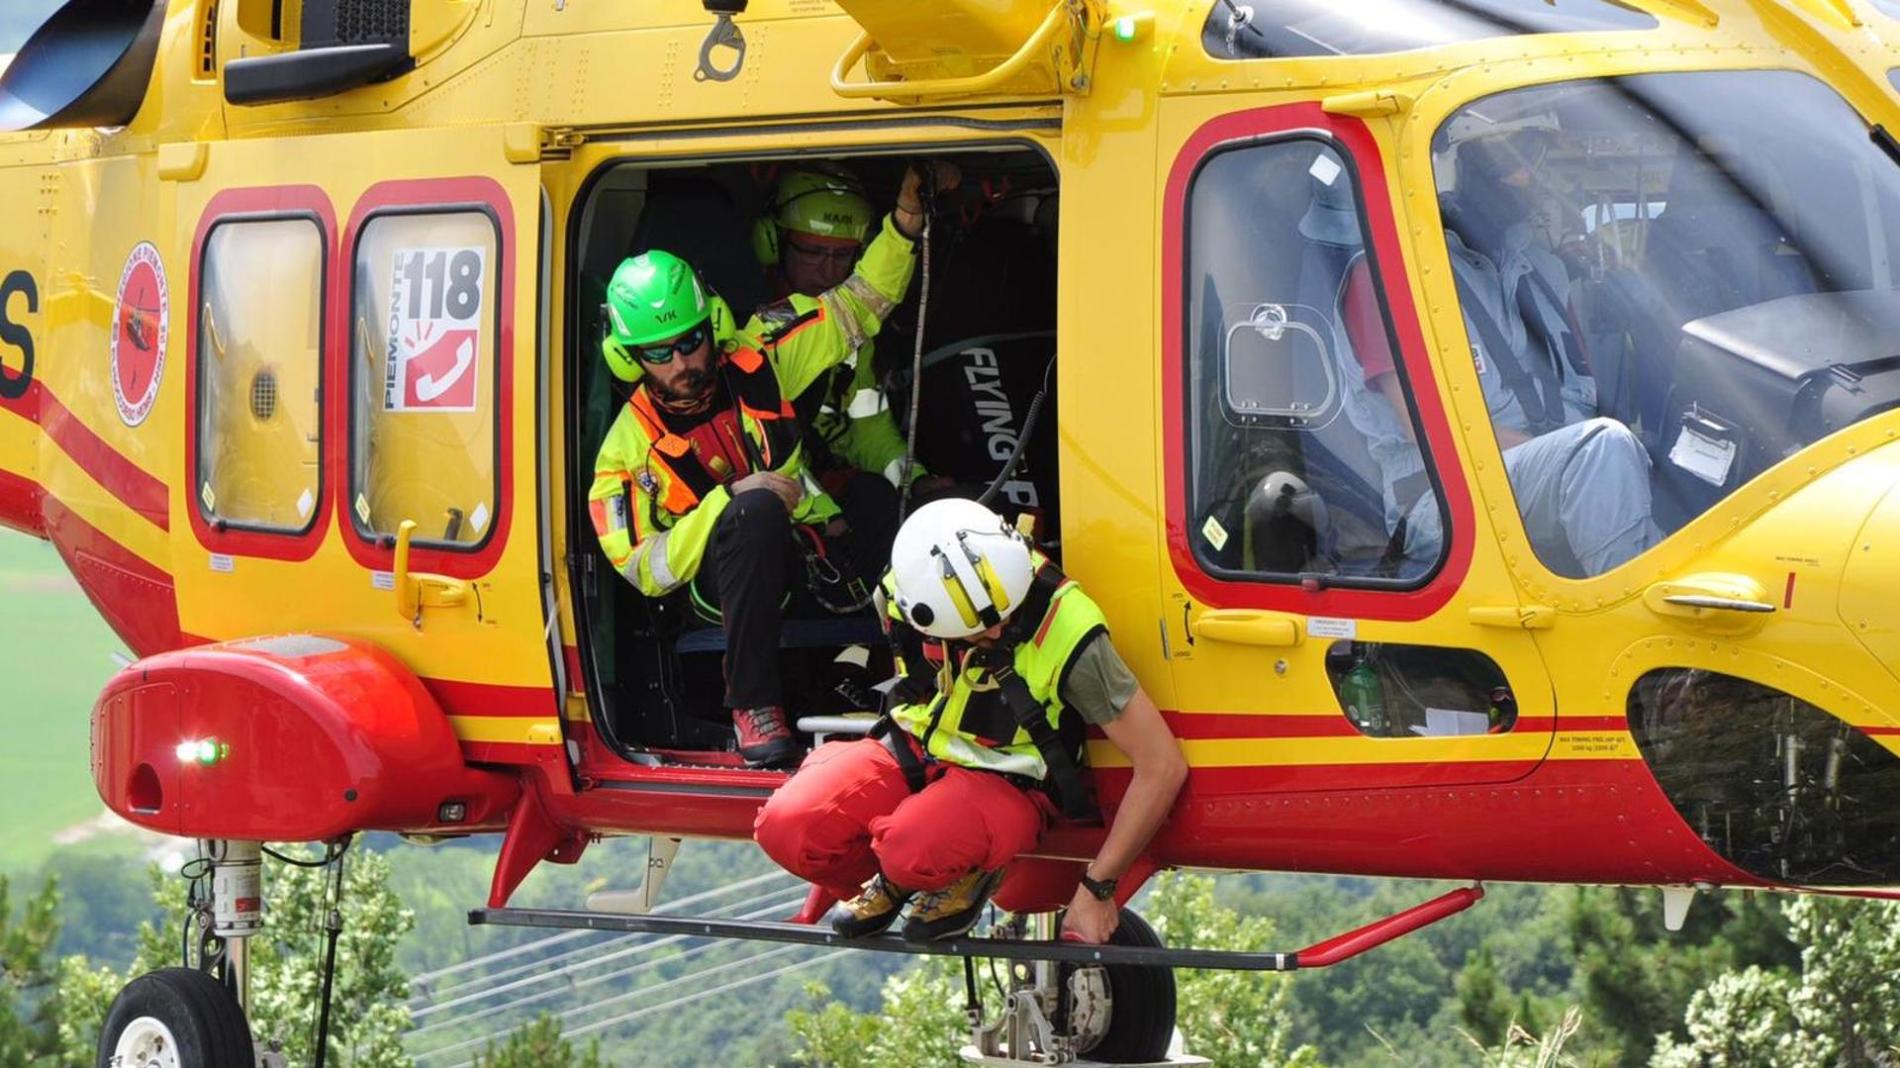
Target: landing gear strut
x=1076 y=1013
x=195 y=1015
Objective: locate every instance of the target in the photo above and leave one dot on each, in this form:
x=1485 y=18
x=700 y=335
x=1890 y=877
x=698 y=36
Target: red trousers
x=848 y=813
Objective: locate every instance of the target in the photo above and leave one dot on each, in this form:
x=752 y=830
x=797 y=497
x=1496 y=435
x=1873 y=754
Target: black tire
x=1141 y=1000
x=202 y=1016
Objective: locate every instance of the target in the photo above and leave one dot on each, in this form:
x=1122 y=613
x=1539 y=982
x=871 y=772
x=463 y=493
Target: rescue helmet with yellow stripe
x=957 y=569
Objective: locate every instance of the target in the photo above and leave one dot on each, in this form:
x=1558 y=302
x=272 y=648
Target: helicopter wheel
x=175 y=1018
x=1121 y=1013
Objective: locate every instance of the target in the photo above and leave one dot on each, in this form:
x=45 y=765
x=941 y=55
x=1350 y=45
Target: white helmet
x=957 y=569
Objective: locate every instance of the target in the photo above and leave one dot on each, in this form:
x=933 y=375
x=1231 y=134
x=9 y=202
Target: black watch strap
x=1103 y=889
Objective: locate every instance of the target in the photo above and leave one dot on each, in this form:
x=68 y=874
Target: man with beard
x=701 y=482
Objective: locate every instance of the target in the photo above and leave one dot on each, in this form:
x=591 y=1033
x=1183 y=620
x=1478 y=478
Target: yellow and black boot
x=871 y=912
x=952 y=911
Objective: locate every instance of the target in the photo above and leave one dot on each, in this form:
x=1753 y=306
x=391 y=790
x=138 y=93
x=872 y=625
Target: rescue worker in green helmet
x=976 y=758
x=808 y=238
x=701 y=484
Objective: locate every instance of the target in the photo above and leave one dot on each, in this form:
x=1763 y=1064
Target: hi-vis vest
x=655 y=533
x=969 y=721
x=680 y=479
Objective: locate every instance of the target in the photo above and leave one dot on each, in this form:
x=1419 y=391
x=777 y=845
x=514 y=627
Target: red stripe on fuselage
x=488 y=699
x=136 y=599
x=20 y=504
x=134 y=488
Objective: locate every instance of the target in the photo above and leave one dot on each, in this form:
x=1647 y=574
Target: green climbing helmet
x=824 y=203
x=652 y=297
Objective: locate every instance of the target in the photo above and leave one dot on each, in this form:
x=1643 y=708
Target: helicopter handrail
x=929 y=87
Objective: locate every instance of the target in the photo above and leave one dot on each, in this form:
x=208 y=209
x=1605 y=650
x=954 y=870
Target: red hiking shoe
x=765 y=741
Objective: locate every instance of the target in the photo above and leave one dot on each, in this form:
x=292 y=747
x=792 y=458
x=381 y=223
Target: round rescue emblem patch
x=140 y=325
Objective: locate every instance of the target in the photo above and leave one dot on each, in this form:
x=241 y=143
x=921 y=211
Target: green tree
x=539 y=1044
x=1226 y=1016
x=1840 y=1007
x=26 y=974
x=921 y=1022
x=1483 y=1001
x=1637 y=977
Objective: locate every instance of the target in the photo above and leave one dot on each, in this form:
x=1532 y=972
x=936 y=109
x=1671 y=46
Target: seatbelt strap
x=1537 y=329
x=1515 y=378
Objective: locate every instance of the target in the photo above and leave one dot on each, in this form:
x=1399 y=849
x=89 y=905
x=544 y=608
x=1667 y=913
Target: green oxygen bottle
x=1363 y=694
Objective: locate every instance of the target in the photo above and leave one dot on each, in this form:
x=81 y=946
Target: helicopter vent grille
x=264 y=394
x=208 y=42
x=352 y=22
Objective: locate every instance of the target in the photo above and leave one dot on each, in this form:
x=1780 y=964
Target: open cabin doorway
x=652 y=666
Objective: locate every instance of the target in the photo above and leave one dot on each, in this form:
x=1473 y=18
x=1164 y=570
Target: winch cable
x=928 y=191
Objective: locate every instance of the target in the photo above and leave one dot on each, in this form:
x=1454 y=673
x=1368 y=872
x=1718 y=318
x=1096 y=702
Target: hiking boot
x=871 y=912
x=952 y=911
x=764 y=739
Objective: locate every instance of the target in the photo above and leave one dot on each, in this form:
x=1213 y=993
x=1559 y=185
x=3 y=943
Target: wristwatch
x=1103 y=889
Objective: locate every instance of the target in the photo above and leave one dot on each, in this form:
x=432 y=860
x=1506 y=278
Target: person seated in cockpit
x=1581 y=480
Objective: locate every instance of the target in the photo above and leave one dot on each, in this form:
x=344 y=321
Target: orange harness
x=759 y=403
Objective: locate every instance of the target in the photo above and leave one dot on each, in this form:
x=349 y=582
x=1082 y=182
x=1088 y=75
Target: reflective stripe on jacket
x=851 y=414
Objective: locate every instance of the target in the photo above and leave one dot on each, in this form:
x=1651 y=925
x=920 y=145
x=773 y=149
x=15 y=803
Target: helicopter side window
x=1303 y=446
x=1670 y=283
x=259 y=336
x=424 y=318
x=1269 y=29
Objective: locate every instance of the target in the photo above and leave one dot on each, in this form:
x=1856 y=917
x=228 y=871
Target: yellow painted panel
x=516 y=729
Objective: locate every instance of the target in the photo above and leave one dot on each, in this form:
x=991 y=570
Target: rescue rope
x=928 y=191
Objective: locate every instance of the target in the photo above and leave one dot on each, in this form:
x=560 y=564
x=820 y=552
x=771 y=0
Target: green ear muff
x=619 y=360
x=725 y=328
x=765 y=237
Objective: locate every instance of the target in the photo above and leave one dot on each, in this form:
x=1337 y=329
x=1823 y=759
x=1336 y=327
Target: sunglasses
x=664 y=352
x=840 y=255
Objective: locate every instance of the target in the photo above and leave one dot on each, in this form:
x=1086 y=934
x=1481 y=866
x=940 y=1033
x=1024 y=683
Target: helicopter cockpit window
x=1272 y=29
x=259 y=323
x=423 y=377
x=1301 y=433
x=1670 y=283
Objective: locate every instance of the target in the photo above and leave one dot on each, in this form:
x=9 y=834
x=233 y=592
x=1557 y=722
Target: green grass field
x=54 y=659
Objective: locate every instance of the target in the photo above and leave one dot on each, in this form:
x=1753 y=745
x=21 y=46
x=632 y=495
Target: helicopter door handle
x=1246 y=626
x=418 y=590
x=1722 y=602
x=1514 y=616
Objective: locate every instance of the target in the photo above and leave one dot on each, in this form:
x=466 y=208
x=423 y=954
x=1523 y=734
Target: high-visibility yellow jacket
x=968 y=721
x=654 y=506
x=851 y=414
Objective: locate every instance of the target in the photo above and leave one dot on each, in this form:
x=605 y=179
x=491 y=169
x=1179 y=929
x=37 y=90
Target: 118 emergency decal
x=435 y=329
